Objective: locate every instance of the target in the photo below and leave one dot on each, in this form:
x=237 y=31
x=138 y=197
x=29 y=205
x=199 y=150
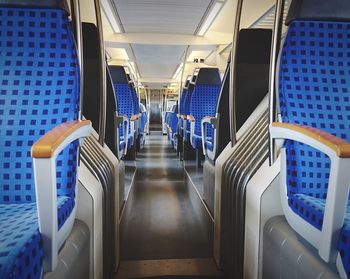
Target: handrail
x=103 y=96
x=182 y=73
x=233 y=71
x=275 y=48
x=76 y=18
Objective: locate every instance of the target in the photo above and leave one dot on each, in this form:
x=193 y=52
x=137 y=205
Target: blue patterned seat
x=182 y=111
x=186 y=108
x=204 y=101
x=173 y=122
x=39 y=89
x=125 y=100
x=314 y=90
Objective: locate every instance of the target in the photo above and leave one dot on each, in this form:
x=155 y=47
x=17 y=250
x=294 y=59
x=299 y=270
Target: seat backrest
x=144 y=117
x=91 y=50
x=39 y=89
x=122 y=90
x=183 y=96
x=314 y=86
x=91 y=100
x=205 y=96
x=253 y=68
x=173 y=121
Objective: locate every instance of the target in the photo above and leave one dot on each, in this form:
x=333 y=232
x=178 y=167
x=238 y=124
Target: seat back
x=39 y=89
x=183 y=96
x=91 y=100
x=187 y=104
x=144 y=118
x=253 y=67
x=204 y=97
x=123 y=93
x=314 y=79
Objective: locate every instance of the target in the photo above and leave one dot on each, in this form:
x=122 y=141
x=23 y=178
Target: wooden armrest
x=134 y=117
x=191 y=118
x=340 y=146
x=47 y=144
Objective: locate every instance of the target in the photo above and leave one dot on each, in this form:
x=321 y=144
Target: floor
x=163 y=227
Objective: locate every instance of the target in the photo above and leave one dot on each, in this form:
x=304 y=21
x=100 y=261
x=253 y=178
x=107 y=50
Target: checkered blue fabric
x=182 y=101
x=20 y=241
x=203 y=103
x=143 y=121
x=135 y=104
x=125 y=106
x=39 y=89
x=314 y=87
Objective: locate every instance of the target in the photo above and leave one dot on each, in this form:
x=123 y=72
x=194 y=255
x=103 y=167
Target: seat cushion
x=20 y=241
x=311 y=209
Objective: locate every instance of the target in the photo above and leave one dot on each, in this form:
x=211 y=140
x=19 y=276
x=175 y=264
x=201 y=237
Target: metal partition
x=249 y=155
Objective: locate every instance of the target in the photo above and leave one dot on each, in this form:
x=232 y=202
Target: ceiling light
x=210 y=18
x=108 y=10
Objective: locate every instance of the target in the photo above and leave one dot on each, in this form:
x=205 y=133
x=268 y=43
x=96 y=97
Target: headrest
x=41 y=4
x=254 y=46
x=118 y=75
x=319 y=10
x=209 y=76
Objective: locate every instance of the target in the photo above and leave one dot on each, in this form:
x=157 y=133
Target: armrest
x=211 y=120
x=134 y=117
x=122 y=119
x=339 y=146
x=191 y=118
x=44 y=153
x=338 y=151
x=47 y=145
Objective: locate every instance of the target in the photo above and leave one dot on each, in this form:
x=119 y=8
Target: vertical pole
x=233 y=71
x=103 y=97
x=183 y=72
x=76 y=18
x=275 y=48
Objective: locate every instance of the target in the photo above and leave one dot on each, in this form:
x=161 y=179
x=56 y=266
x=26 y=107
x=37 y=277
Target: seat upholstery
x=39 y=89
x=20 y=241
x=204 y=101
x=186 y=108
x=314 y=91
x=125 y=99
x=173 y=122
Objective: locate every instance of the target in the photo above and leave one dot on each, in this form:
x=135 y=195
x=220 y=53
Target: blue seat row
x=203 y=103
x=128 y=105
x=314 y=100
x=39 y=92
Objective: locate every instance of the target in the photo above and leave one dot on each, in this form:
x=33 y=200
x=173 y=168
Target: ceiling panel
x=161 y=16
x=157 y=61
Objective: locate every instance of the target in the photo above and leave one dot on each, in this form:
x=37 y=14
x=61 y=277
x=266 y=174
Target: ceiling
x=155 y=34
x=161 y=16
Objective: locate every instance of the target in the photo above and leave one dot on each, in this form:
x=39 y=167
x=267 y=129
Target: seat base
x=74 y=257
x=286 y=253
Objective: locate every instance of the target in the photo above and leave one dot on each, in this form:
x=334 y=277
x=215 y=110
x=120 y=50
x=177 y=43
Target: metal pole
x=233 y=71
x=103 y=97
x=183 y=72
x=275 y=48
x=75 y=7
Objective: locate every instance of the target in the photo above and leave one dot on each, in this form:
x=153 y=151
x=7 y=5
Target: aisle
x=161 y=223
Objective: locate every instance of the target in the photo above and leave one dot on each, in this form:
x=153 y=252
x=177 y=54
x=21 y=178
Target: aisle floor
x=162 y=222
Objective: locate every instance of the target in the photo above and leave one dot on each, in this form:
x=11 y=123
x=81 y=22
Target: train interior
x=174 y=139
